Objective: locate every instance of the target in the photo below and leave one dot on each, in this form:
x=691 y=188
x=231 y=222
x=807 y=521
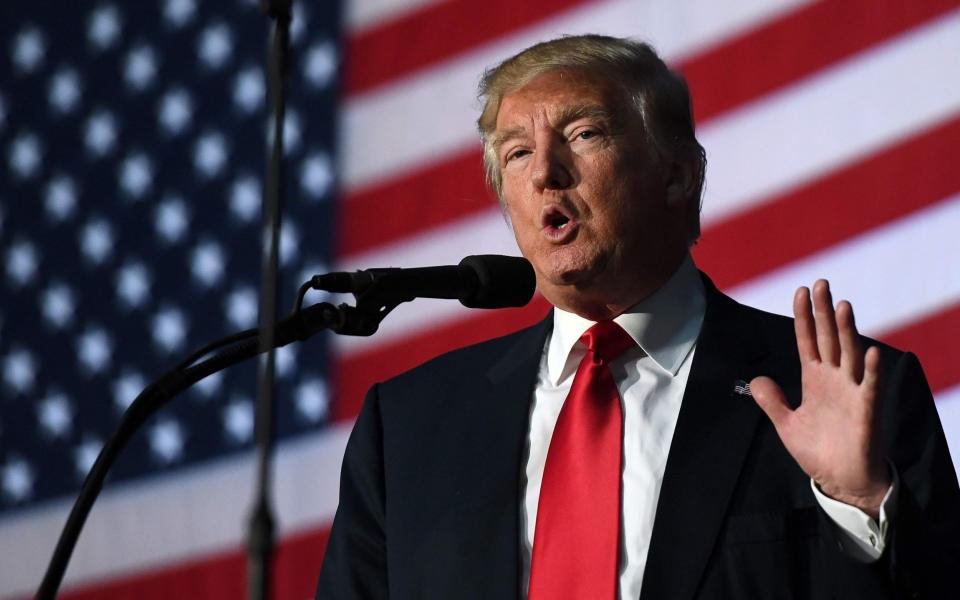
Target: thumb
x=771 y=400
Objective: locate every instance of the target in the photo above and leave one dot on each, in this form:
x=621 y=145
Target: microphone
x=482 y=281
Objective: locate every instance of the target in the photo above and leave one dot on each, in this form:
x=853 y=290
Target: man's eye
x=517 y=154
x=587 y=134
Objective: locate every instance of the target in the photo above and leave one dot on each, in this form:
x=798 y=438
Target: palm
x=832 y=434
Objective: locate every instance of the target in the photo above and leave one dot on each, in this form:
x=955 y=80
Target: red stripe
x=881 y=188
x=795 y=46
x=934 y=340
x=354 y=375
x=721 y=78
x=418 y=201
x=296 y=566
x=435 y=33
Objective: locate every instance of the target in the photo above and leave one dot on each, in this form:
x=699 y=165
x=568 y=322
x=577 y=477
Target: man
x=503 y=471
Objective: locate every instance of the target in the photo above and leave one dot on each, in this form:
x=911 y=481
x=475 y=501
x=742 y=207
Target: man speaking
x=651 y=438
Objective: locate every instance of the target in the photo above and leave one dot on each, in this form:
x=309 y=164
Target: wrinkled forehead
x=561 y=95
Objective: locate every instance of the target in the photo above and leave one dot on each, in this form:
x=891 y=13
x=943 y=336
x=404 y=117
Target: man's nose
x=551 y=168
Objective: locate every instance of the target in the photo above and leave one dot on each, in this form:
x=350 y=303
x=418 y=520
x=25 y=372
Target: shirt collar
x=665 y=324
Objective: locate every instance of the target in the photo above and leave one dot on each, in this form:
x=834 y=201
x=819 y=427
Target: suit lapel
x=713 y=434
x=491 y=480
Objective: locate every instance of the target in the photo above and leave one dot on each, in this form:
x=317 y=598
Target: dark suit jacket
x=431 y=482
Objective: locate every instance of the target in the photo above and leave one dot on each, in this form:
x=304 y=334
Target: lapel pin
x=742 y=388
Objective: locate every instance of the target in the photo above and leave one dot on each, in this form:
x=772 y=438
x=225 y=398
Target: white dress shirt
x=651 y=379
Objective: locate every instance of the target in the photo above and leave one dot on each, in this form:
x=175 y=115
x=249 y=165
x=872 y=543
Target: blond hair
x=659 y=95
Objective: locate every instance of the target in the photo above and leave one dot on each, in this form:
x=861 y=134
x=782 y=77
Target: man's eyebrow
x=584 y=111
x=501 y=137
x=565 y=116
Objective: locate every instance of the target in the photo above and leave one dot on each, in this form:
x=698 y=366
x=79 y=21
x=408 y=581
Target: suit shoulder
x=471 y=361
x=777 y=327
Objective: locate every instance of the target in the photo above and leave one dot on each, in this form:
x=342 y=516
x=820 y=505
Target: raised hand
x=833 y=435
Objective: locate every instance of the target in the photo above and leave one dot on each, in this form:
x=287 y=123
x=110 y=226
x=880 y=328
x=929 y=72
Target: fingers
x=851 y=353
x=828 y=342
x=804 y=326
x=771 y=400
x=871 y=372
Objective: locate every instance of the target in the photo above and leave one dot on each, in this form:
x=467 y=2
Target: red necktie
x=577 y=538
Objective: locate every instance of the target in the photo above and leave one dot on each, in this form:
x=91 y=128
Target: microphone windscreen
x=504 y=281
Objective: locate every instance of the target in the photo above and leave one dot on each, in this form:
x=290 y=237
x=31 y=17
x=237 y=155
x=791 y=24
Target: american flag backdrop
x=131 y=161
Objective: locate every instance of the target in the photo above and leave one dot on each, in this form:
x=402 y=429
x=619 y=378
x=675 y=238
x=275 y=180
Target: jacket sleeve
x=925 y=549
x=355 y=561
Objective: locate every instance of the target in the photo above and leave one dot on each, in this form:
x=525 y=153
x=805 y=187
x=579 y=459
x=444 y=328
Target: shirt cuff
x=861 y=537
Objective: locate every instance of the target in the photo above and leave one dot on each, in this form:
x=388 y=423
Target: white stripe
x=169 y=519
x=914 y=277
x=892 y=274
x=367 y=14
x=483 y=233
x=948 y=405
x=424 y=117
x=820 y=123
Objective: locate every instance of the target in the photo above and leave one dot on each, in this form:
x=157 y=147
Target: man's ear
x=681 y=181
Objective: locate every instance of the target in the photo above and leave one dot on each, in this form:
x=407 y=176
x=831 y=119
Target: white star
x=171 y=219
x=60 y=198
x=312 y=399
x=25 y=154
x=169 y=329
x=238 y=420
x=210 y=154
x=136 y=175
x=286 y=360
x=29 y=48
x=245 y=198
x=248 y=89
x=316 y=175
x=140 y=68
x=289 y=242
x=94 y=348
x=22 y=261
x=207 y=263
x=291 y=131
x=103 y=28
x=298 y=23
x=133 y=284
x=57 y=305
x=55 y=414
x=96 y=240
x=100 y=133
x=215 y=45
x=176 y=111
x=209 y=385
x=242 y=307
x=85 y=455
x=179 y=12
x=64 y=90
x=320 y=64
x=126 y=388
x=18 y=479
x=166 y=441
x=19 y=370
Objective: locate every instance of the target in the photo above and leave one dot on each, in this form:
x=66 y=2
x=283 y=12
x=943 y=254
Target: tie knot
x=607 y=340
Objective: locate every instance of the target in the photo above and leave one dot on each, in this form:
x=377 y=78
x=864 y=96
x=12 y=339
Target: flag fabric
x=132 y=152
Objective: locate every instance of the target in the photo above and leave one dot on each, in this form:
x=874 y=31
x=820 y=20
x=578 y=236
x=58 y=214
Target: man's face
x=586 y=195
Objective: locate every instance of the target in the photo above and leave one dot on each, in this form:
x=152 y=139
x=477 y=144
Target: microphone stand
x=246 y=344
x=378 y=298
x=261 y=525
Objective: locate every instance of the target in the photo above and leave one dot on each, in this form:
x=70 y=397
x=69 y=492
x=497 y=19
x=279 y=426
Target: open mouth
x=557 y=222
